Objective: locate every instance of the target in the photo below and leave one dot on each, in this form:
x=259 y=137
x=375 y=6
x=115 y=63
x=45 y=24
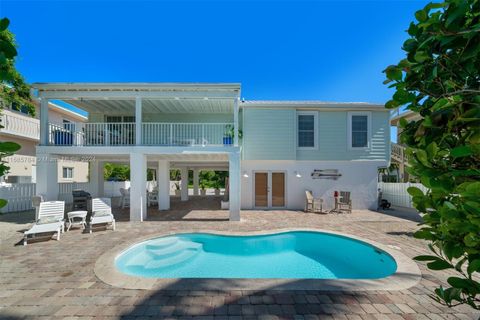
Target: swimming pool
x=288 y=255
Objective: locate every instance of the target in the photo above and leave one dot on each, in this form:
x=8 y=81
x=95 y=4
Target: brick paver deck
x=55 y=280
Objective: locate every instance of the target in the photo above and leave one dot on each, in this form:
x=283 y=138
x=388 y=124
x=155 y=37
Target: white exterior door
x=269 y=189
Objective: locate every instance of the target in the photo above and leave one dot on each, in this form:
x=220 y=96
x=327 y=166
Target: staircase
x=398 y=154
x=171 y=252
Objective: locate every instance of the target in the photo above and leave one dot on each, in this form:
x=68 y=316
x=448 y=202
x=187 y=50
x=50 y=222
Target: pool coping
x=407 y=275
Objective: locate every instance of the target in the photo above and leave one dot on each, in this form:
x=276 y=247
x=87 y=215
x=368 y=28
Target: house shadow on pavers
x=178 y=301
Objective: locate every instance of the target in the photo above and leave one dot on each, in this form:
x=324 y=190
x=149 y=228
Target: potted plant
x=177 y=189
x=230 y=134
x=202 y=189
x=216 y=186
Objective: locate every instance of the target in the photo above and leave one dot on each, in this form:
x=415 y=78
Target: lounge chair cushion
x=47 y=220
x=102 y=213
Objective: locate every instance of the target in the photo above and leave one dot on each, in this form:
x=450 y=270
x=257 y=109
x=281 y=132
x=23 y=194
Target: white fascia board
x=126 y=150
x=309 y=105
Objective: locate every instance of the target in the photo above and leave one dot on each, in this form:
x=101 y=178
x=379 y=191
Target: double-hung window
x=67 y=173
x=359 y=130
x=307 y=130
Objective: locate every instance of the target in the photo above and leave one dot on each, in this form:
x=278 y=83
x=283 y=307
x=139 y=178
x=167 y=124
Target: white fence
x=20 y=195
x=396 y=193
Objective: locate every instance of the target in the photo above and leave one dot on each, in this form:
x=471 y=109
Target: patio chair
x=152 y=197
x=344 y=202
x=101 y=213
x=125 y=197
x=312 y=204
x=50 y=219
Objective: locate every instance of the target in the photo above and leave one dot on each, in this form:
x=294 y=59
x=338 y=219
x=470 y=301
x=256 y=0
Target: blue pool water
x=296 y=255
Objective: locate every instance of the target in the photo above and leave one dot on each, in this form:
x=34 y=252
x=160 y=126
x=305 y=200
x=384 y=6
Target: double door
x=269 y=189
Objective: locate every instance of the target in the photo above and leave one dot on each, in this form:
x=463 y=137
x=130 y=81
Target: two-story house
x=273 y=150
x=21 y=128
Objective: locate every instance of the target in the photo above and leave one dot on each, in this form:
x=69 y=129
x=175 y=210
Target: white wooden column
x=235 y=122
x=138 y=187
x=163 y=182
x=138 y=121
x=234 y=184
x=184 y=183
x=195 y=181
x=47 y=177
x=44 y=130
x=96 y=178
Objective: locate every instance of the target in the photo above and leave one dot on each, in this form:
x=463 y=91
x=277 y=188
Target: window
x=359 y=130
x=306 y=130
x=67 y=173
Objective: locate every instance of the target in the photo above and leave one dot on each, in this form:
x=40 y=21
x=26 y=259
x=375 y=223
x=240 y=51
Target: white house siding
x=358 y=177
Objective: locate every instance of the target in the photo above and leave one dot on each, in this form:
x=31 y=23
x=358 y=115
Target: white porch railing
x=20 y=125
x=92 y=134
x=183 y=134
x=153 y=133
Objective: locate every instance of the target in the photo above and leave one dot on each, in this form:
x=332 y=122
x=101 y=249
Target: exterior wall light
x=245 y=174
x=297 y=174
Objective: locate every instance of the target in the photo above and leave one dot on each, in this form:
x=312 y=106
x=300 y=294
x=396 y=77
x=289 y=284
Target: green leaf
x=462 y=151
x=421 y=56
x=421 y=15
x=432 y=149
x=426 y=258
x=394 y=73
x=422 y=157
x=474 y=266
x=3 y=203
x=439 y=265
x=415 y=192
x=9 y=147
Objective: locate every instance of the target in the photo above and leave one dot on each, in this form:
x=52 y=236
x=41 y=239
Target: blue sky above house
x=313 y=50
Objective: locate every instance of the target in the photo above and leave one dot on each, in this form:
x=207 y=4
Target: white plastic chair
x=125 y=197
x=101 y=213
x=50 y=219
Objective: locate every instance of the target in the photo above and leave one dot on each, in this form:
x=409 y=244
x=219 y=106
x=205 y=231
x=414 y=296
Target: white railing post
x=235 y=121
x=138 y=121
x=44 y=122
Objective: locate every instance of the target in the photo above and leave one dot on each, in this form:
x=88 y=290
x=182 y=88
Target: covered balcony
x=143 y=114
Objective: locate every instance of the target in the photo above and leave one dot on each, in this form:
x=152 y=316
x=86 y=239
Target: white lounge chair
x=313 y=204
x=50 y=219
x=101 y=213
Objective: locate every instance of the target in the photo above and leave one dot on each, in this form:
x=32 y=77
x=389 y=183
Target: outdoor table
x=77 y=218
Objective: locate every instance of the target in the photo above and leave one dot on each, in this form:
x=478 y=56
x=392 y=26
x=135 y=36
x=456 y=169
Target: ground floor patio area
x=56 y=279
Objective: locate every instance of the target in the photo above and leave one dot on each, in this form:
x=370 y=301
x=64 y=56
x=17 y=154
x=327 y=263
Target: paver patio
x=51 y=279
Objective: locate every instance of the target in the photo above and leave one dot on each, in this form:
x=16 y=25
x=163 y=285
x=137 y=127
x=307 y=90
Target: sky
x=277 y=50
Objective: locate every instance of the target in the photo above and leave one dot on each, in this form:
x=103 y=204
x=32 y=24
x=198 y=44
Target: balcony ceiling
x=166 y=105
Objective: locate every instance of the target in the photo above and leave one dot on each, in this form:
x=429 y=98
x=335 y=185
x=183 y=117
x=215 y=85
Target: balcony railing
x=153 y=133
x=183 y=134
x=20 y=125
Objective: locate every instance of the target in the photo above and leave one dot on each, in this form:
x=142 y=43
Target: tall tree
x=440 y=80
x=13 y=90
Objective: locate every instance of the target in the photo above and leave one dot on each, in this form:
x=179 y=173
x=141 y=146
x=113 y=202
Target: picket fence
x=396 y=193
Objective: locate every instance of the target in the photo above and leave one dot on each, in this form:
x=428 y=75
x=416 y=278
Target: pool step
x=173 y=250
x=183 y=257
x=161 y=243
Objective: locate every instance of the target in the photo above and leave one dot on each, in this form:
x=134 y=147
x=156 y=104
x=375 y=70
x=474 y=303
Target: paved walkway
x=55 y=280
